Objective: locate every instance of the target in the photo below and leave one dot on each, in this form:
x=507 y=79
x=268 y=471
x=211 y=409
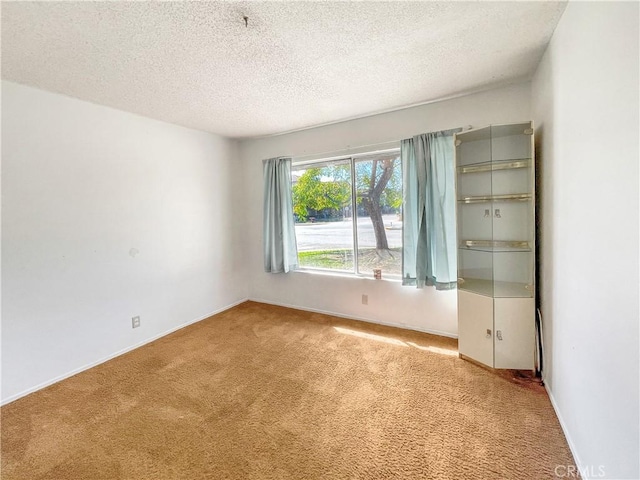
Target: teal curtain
x=279 y=235
x=429 y=224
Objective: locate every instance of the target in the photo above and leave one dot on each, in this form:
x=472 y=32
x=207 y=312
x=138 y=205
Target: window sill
x=340 y=274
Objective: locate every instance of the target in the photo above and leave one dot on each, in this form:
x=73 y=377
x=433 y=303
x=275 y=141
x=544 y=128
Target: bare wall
x=107 y=215
x=389 y=302
x=585 y=104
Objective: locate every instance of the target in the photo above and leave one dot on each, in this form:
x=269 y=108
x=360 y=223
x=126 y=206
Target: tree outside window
x=329 y=229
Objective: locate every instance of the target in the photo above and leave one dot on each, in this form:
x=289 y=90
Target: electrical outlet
x=135 y=322
x=365 y=299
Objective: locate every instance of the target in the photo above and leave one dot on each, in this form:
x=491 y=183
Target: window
x=349 y=213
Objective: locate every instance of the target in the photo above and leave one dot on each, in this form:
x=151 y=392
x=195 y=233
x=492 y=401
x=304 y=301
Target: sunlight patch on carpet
x=432 y=349
x=395 y=341
x=370 y=336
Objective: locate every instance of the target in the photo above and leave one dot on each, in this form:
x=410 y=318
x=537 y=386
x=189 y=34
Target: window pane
x=379 y=198
x=322 y=207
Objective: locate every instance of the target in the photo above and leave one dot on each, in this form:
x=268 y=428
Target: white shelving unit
x=496 y=245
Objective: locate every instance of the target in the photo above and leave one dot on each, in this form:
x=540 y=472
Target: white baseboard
x=567 y=436
x=190 y=322
x=116 y=354
x=353 y=317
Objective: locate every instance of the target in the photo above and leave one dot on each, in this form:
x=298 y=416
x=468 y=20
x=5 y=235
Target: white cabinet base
x=514 y=322
x=496 y=332
x=475 y=319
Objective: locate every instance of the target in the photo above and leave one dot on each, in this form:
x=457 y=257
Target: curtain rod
x=379 y=147
x=394 y=144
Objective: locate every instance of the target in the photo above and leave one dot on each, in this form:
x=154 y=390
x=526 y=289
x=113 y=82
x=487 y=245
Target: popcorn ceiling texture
x=297 y=64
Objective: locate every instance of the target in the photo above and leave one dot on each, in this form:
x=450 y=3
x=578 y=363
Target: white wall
x=107 y=215
x=585 y=104
x=389 y=302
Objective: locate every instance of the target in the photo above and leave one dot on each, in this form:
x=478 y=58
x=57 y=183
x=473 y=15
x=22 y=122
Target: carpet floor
x=264 y=392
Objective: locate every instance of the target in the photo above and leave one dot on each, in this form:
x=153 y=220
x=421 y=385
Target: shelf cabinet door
x=514 y=321
x=475 y=318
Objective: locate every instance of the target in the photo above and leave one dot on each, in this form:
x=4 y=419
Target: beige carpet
x=263 y=392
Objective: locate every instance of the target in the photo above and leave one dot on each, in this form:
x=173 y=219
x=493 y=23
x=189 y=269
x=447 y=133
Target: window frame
x=352 y=158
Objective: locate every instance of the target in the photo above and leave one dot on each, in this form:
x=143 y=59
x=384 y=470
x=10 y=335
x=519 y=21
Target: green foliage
x=321 y=188
x=341 y=259
x=329 y=187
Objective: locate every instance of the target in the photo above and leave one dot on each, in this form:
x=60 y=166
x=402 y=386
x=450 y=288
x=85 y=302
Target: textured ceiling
x=297 y=64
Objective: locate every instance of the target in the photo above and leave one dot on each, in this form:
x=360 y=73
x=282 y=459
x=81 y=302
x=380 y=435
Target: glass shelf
x=511 y=129
x=496 y=245
x=495 y=288
x=475 y=135
x=517 y=197
x=494 y=183
x=492 y=132
x=495 y=213
x=495 y=210
x=494 y=166
x=496 y=271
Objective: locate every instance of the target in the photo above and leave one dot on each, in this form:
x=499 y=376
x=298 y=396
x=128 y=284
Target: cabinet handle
x=499 y=334
x=488 y=333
